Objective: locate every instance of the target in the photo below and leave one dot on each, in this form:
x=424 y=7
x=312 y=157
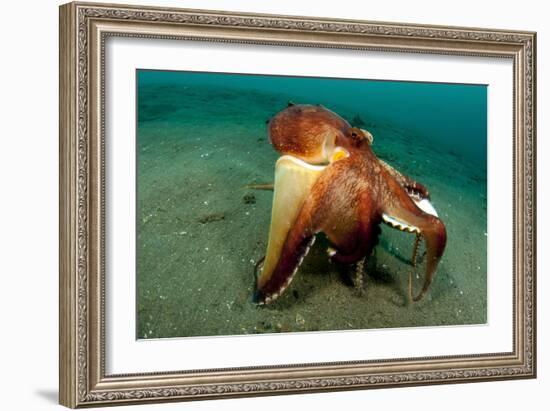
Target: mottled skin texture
x=304 y=131
x=414 y=188
x=349 y=199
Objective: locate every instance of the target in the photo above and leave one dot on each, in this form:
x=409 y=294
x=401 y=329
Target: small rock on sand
x=249 y=198
x=209 y=218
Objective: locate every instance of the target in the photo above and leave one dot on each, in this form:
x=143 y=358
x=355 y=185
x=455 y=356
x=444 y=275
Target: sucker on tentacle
x=359 y=275
x=415 y=249
x=413 y=262
x=400 y=225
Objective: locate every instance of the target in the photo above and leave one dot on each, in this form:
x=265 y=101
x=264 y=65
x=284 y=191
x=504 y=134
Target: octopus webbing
x=329 y=180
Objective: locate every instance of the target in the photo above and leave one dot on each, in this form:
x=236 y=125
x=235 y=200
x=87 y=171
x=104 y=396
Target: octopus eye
x=356 y=134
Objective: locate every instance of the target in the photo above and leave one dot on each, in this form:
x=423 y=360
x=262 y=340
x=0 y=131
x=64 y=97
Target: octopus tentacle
x=293 y=181
x=359 y=275
x=343 y=258
x=301 y=236
x=408 y=217
x=366 y=236
x=415 y=249
x=414 y=189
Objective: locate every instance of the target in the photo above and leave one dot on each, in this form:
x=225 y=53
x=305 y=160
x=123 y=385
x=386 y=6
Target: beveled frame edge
x=83 y=29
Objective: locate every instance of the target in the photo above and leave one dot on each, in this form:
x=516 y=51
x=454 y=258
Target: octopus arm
x=407 y=216
x=415 y=190
x=287 y=242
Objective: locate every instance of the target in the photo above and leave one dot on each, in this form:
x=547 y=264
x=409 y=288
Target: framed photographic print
x=259 y=204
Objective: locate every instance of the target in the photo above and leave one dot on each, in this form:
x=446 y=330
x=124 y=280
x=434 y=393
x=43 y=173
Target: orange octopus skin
x=348 y=201
x=308 y=132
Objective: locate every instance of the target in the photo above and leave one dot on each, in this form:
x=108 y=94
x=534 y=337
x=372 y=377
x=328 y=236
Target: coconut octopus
x=329 y=180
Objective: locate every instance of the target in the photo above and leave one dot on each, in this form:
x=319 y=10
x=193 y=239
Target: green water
x=201 y=138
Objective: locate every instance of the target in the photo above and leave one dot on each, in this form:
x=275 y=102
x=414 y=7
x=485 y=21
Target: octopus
x=328 y=179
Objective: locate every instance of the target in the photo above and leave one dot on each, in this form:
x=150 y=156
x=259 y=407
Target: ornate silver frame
x=83 y=30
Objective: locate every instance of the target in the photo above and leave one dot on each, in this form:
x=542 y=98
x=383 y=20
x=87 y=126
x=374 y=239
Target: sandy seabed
x=200 y=231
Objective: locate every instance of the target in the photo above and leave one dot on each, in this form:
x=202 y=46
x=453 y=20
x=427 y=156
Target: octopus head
x=314 y=134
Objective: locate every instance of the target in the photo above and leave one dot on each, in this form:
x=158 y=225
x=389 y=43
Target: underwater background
x=202 y=138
